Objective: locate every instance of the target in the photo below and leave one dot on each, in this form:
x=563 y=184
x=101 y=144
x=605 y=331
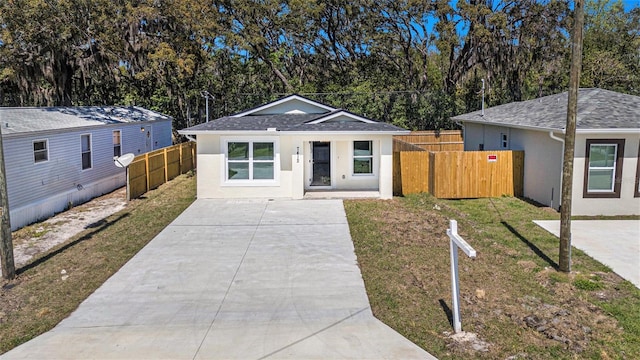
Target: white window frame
x=114 y=144
x=354 y=157
x=83 y=152
x=615 y=169
x=46 y=148
x=224 y=148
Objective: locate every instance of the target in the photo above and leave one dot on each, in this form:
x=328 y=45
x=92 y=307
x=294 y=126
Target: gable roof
x=333 y=121
x=599 y=110
x=20 y=120
x=264 y=109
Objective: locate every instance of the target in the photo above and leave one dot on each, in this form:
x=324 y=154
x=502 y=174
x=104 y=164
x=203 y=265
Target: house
x=607 y=146
x=290 y=147
x=56 y=157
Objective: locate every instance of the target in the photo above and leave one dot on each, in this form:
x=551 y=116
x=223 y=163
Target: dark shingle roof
x=30 y=119
x=597 y=109
x=289 y=123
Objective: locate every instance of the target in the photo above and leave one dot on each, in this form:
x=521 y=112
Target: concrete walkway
x=243 y=279
x=615 y=243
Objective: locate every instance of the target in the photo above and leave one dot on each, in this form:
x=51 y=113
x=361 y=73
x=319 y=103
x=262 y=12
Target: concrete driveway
x=244 y=279
x=615 y=243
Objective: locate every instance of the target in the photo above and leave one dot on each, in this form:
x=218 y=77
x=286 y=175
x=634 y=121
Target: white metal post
x=456 y=242
x=455 y=291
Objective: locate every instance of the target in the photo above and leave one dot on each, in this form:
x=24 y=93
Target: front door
x=321 y=160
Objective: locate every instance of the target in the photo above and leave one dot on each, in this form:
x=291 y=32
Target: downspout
x=551 y=135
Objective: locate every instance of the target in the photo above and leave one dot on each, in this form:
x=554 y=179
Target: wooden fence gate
x=459 y=174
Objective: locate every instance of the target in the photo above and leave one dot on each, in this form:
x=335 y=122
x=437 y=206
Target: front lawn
x=512 y=297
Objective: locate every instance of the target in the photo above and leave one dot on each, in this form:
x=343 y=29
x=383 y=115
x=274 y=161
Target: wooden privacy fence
x=444 y=140
x=150 y=170
x=459 y=174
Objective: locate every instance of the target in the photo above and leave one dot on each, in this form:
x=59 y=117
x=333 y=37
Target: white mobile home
x=293 y=146
x=58 y=157
x=607 y=148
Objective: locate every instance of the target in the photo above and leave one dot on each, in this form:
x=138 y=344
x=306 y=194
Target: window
x=504 y=138
x=249 y=160
x=362 y=157
x=40 y=151
x=117 y=148
x=603 y=168
x=85 y=141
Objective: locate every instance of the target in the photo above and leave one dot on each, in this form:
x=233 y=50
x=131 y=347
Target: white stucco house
x=56 y=157
x=290 y=147
x=607 y=148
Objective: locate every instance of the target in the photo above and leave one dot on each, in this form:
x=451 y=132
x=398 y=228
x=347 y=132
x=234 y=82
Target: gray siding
x=30 y=184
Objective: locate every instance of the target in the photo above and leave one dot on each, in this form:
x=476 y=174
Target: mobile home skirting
x=56 y=203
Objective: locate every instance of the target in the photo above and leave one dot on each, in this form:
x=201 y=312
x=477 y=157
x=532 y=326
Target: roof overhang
x=547 y=129
x=280 y=133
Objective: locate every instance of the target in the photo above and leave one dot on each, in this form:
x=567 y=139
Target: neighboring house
x=607 y=144
x=56 y=157
x=290 y=146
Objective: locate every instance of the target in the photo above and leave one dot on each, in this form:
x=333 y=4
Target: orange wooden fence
x=444 y=140
x=150 y=170
x=459 y=174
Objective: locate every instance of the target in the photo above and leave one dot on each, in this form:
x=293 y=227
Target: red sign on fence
x=492 y=158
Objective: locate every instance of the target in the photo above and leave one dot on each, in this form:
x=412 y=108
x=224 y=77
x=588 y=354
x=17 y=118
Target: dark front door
x=321 y=163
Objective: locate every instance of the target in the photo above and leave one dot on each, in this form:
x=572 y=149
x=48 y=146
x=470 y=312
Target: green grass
x=403 y=253
x=39 y=298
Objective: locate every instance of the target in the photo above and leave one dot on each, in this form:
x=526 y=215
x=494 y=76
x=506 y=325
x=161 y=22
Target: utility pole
x=6 y=245
x=569 y=137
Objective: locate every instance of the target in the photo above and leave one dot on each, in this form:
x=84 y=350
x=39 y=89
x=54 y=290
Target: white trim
x=373 y=157
x=224 y=169
x=608 y=131
x=82 y=168
x=112 y=144
x=282 y=101
x=306 y=133
x=332 y=165
x=342 y=113
x=46 y=142
x=603 y=168
x=562 y=130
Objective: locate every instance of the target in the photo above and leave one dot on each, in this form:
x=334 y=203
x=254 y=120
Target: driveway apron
x=615 y=243
x=243 y=279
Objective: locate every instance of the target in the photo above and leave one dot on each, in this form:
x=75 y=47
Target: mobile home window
x=85 y=142
x=40 y=151
x=603 y=167
x=117 y=148
x=249 y=160
x=362 y=157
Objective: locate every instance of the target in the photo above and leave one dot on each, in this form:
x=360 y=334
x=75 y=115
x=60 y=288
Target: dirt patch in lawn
x=40 y=237
x=514 y=304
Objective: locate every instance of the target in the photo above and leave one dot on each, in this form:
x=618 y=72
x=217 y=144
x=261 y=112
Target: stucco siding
x=542 y=165
x=294 y=166
x=542 y=157
x=627 y=204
